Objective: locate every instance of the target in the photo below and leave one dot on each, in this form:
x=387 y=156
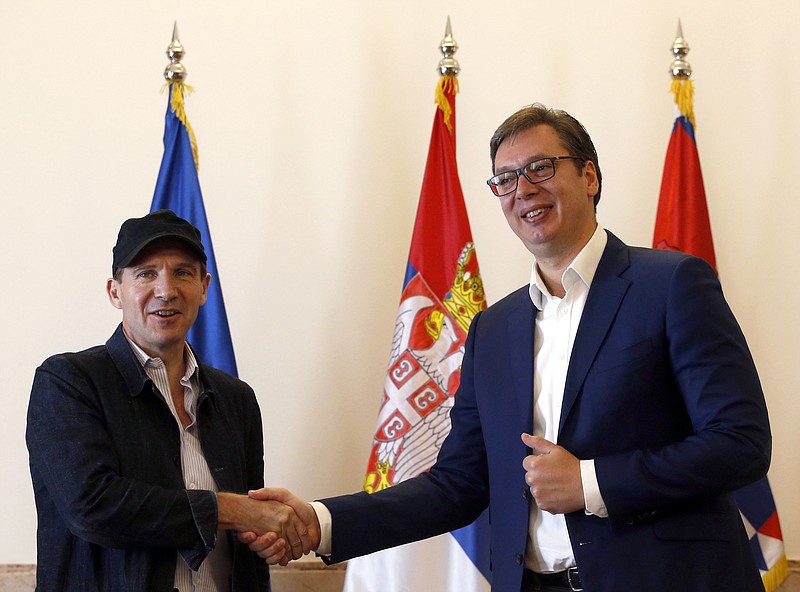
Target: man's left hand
x=553 y=476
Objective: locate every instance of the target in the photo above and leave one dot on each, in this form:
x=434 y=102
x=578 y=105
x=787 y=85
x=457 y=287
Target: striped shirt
x=214 y=572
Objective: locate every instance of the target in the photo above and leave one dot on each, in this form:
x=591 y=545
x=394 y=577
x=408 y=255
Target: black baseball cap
x=136 y=233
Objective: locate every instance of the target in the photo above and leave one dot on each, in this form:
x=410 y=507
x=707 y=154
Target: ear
x=112 y=289
x=590 y=174
x=206 y=283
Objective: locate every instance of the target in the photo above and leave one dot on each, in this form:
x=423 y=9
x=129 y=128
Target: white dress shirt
x=557 y=321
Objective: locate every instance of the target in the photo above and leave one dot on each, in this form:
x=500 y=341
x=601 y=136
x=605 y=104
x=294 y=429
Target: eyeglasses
x=535 y=171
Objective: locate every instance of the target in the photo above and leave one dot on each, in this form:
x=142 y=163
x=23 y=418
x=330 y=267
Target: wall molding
x=300 y=576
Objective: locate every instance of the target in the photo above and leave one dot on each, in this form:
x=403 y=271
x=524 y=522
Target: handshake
x=274 y=523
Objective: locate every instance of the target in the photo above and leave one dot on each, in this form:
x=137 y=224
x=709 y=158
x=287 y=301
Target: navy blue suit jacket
x=661 y=392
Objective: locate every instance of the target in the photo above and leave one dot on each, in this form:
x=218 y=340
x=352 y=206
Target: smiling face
x=159 y=294
x=555 y=218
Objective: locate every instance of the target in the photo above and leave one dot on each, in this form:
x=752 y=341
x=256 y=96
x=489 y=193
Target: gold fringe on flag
x=683 y=90
x=446 y=84
x=176 y=103
x=776 y=575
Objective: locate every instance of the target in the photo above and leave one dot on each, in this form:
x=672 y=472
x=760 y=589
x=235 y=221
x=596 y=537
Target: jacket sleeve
x=251 y=572
x=73 y=457
x=449 y=496
x=711 y=375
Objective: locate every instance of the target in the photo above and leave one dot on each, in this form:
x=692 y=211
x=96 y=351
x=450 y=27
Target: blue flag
x=178 y=189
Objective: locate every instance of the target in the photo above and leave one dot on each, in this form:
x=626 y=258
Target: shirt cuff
x=592 y=497
x=325 y=527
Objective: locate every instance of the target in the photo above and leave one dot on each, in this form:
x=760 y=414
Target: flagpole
x=682 y=219
x=442 y=292
x=175 y=74
x=448 y=65
x=682 y=224
x=681 y=72
x=175 y=71
x=178 y=189
x=448 y=78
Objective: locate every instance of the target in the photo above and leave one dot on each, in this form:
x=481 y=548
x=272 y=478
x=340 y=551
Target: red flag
x=442 y=228
x=442 y=292
x=682 y=222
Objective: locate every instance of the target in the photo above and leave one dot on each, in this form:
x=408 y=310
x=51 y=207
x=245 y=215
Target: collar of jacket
x=136 y=379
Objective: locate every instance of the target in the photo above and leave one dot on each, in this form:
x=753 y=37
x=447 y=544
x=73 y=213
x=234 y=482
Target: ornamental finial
x=448 y=65
x=175 y=70
x=680 y=68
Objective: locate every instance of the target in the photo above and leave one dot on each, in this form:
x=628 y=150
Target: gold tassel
x=176 y=103
x=446 y=84
x=775 y=576
x=683 y=90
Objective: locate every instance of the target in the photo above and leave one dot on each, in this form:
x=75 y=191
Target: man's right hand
x=280 y=551
x=272 y=520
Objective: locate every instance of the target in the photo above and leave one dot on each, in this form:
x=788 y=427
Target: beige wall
x=342 y=93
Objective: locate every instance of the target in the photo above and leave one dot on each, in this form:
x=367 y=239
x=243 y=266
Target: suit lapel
x=520 y=339
x=605 y=297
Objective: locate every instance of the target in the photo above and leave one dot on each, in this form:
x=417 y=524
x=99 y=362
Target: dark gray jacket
x=105 y=462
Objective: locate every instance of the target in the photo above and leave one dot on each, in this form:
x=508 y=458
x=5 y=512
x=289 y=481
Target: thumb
x=538 y=444
x=270 y=493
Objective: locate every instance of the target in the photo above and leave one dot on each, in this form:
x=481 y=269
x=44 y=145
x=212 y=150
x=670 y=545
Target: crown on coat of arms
x=466 y=298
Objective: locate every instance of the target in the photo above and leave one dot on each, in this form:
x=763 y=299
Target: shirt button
x=192 y=486
x=518 y=559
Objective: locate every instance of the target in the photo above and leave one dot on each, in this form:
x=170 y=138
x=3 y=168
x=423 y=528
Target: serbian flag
x=178 y=189
x=442 y=292
x=682 y=224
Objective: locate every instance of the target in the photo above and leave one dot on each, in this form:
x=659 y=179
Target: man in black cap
x=139 y=453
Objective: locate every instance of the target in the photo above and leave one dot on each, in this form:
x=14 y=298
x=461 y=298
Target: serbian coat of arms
x=423 y=375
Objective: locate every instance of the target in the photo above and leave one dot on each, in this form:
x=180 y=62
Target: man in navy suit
x=631 y=383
